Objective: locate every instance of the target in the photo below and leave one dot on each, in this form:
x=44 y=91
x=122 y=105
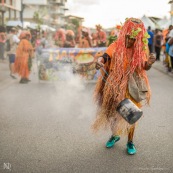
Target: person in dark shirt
x=158 y=40
x=150 y=40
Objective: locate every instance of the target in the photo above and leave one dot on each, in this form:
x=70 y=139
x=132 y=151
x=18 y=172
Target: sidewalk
x=158 y=65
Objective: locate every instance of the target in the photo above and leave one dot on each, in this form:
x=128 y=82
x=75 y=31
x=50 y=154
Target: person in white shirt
x=13 y=42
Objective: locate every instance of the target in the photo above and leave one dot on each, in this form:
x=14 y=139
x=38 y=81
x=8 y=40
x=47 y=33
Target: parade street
x=45 y=127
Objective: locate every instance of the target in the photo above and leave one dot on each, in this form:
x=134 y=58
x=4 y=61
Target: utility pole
x=21 y=12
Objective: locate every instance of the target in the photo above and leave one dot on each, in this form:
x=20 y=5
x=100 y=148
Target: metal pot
x=129 y=111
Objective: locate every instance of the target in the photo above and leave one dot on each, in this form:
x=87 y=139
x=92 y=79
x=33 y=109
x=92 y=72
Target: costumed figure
x=85 y=40
x=94 y=40
x=78 y=35
x=167 y=39
x=126 y=57
x=60 y=37
x=70 y=41
x=24 y=55
x=101 y=36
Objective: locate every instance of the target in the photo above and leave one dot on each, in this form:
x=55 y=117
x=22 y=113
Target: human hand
x=99 y=63
x=151 y=59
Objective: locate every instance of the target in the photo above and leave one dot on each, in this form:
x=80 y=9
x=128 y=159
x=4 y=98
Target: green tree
x=73 y=25
x=37 y=18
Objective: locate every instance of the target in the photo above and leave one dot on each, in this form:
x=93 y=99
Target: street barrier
x=62 y=63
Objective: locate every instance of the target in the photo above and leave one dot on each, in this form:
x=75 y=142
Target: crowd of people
x=19 y=45
x=131 y=51
x=161 y=41
x=83 y=37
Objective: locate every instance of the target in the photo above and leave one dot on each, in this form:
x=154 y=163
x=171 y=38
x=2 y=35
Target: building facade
x=49 y=12
x=9 y=9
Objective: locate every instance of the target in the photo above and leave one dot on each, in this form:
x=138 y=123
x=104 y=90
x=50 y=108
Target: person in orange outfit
x=85 y=41
x=101 y=36
x=70 y=39
x=60 y=37
x=23 y=60
x=127 y=56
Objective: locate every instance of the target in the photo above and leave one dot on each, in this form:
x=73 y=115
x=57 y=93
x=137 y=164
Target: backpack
x=8 y=45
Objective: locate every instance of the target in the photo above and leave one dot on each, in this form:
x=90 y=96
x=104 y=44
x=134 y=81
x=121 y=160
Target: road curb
x=160 y=67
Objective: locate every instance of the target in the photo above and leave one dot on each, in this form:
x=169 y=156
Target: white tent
x=33 y=26
x=42 y=27
x=29 y=25
x=164 y=23
x=18 y=23
x=46 y=27
x=148 y=22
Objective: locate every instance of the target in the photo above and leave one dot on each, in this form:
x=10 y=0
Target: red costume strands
x=124 y=62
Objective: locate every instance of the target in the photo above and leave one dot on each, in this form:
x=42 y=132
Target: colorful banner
x=61 y=63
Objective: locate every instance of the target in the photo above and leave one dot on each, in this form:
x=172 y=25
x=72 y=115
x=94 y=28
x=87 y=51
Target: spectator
x=150 y=40
x=169 y=32
x=165 y=46
x=158 y=40
x=13 y=42
x=101 y=36
x=43 y=40
x=37 y=41
x=2 y=43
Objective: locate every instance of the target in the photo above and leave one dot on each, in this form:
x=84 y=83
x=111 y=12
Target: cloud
x=109 y=13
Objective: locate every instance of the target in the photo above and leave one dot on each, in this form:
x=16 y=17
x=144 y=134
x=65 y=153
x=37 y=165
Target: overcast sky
x=108 y=13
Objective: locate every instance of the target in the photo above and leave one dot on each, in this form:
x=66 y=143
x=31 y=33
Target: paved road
x=45 y=128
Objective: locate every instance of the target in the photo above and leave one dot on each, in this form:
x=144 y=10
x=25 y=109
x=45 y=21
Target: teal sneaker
x=111 y=141
x=131 y=148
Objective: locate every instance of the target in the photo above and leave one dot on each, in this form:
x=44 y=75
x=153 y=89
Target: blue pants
x=12 y=58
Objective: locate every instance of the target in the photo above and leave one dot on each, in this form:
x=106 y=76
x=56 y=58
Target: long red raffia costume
x=113 y=89
x=23 y=52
